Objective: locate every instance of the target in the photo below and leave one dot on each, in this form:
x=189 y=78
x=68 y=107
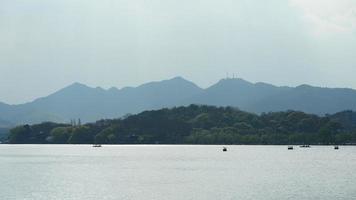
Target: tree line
x=197 y=124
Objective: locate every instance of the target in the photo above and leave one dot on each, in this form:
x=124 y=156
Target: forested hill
x=198 y=125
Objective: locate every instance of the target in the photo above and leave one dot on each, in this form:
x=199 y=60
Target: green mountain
x=197 y=125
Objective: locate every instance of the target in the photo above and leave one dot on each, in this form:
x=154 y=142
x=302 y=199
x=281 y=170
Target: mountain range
x=91 y=104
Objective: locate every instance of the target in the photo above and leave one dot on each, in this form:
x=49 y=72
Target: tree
x=20 y=135
x=81 y=135
x=106 y=136
x=328 y=131
x=60 y=135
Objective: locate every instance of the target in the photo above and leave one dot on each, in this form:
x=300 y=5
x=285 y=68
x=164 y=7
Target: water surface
x=72 y=172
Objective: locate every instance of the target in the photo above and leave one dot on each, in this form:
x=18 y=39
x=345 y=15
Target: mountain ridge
x=93 y=103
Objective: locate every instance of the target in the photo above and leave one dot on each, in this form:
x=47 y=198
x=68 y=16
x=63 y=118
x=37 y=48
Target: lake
x=177 y=172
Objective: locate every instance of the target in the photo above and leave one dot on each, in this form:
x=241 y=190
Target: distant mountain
x=90 y=104
x=5 y=124
x=262 y=97
x=238 y=93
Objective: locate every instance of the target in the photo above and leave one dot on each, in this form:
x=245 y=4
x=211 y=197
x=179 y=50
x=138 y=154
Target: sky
x=47 y=45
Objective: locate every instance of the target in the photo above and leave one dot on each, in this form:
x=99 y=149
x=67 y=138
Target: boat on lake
x=97 y=145
x=336 y=147
x=290 y=147
x=305 y=146
x=224 y=149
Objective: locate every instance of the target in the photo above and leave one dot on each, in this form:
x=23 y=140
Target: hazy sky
x=46 y=45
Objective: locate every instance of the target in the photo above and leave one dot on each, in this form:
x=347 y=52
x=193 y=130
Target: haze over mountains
x=91 y=104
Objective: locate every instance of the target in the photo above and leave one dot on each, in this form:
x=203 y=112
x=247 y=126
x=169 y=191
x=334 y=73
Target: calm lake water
x=66 y=172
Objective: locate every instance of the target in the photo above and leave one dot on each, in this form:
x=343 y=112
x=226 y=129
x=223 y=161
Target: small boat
x=305 y=146
x=290 y=147
x=97 y=145
x=224 y=149
x=336 y=147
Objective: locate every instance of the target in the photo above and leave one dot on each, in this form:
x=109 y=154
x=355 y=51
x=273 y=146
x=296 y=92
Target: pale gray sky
x=46 y=45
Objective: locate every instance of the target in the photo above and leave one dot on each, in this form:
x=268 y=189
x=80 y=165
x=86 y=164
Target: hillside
x=196 y=125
